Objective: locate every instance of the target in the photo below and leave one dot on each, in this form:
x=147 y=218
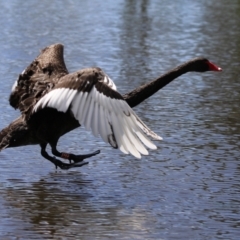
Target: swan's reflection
x=63 y=205
x=52 y=201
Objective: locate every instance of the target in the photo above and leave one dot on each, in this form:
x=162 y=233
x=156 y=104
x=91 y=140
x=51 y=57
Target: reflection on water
x=189 y=187
x=56 y=207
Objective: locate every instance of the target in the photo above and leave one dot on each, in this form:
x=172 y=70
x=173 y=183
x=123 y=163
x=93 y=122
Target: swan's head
x=203 y=65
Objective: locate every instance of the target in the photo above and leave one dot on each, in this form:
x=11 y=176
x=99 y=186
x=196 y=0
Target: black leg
x=70 y=156
x=57 y=162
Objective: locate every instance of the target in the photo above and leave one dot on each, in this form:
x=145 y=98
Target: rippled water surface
x=189 y=187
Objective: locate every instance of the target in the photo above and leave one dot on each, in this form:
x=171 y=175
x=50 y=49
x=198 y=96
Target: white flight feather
x=70 y=97
x=102 y=126
x=106 y=101
x=107 y=121
x=124 y=144
x=89 y=116
x=145 y=129
x=128 y=144
x=94 y=121
x=101 y=100
x=146 y=141
x=96 y=111
x=122 y=106
x=110 y=118
x=43 y=101
x=86 y=109
x=81 y=107
x=60 y=101
x=133 y=139
x=53 y=99
x=56 y=100
x=117 y=132
x=94 y=124
x=123 y=140
x=138 y=132
x=74 y=105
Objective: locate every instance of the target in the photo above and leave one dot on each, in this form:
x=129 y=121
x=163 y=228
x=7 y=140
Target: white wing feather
x=87 y=121
x=100 y=112
x=103 y=126
x=110 y=118
x=59 y=99
x=95 y=120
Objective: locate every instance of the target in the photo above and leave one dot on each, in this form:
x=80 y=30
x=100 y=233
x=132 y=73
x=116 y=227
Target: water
x=188 y=188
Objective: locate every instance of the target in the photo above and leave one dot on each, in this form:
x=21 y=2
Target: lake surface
x=189 y=188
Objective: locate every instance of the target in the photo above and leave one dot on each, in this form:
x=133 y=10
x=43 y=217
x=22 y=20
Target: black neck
x=143 y=92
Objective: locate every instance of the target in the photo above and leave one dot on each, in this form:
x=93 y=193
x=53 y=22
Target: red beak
x=213 y=67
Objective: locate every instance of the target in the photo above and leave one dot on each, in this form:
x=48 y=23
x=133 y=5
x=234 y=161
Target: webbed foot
x=66 y=166
x=80 y=158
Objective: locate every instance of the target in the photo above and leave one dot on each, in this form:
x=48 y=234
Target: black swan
x=53 y=102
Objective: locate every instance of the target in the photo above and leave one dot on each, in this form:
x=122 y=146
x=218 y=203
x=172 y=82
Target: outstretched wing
x=38 y=78
x=101 y=110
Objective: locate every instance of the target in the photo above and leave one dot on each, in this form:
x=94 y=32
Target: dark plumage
x=53 y=102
